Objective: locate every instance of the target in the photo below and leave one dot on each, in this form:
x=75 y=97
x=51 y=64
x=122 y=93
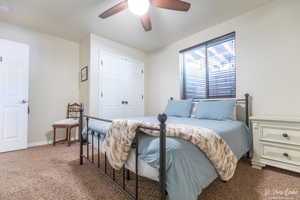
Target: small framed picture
x=84 y=74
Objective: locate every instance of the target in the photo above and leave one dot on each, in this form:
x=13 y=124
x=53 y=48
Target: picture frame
x=84 y=74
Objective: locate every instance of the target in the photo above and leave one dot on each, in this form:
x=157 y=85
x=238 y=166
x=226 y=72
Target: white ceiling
x=74 y=19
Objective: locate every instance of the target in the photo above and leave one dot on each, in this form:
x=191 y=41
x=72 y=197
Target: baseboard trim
x=36 y=144
x=42 y=143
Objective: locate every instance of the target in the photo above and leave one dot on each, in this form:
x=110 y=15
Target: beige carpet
x=53 y=173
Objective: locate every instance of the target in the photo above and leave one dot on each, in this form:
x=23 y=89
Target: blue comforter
x=188 y=169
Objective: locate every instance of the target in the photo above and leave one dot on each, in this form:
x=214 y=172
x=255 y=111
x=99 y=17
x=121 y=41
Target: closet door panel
x=135 y=90
x=112 y=87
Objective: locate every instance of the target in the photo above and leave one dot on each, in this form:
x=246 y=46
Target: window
x=208 y=69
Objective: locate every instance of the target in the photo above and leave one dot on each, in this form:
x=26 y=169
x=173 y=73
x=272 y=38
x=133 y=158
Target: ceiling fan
x=141 y=8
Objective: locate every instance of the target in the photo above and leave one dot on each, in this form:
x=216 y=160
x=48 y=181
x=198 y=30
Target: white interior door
x=14 y=66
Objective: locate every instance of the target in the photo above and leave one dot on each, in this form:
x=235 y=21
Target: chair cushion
x=66 y=122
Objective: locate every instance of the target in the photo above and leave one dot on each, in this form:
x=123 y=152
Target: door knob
x=24 y=101
x=285 y=135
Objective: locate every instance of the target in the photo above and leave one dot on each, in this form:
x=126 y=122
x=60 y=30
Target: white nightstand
x=276 y=142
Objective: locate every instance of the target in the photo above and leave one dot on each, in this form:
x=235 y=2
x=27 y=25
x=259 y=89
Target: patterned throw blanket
x=120 y=136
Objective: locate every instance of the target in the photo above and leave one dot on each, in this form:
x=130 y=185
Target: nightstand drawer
x=281 y=154
x=282 y=135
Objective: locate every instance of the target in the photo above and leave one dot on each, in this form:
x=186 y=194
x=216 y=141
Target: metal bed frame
x=162 y=118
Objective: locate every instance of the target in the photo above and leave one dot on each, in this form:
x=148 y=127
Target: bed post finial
x=162 y=118
x=80 y=134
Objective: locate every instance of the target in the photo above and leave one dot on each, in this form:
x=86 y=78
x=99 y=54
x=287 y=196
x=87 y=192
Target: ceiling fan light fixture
x=138 y=7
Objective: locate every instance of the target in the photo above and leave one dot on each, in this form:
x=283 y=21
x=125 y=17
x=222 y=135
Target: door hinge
x=1 y=59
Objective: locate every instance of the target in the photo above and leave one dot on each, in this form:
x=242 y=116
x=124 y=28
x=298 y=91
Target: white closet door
x=121 y=87
x=14 y=68
x=135 y=88
x=112 y=86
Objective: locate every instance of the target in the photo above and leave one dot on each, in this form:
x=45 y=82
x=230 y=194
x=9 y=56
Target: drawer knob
x=285 y=135
x=286 y=155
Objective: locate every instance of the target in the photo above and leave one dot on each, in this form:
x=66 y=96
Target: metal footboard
x=162 y=118
x=90 y=154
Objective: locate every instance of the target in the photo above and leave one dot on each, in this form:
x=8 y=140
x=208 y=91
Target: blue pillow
x=216 y=110
x=179 y=108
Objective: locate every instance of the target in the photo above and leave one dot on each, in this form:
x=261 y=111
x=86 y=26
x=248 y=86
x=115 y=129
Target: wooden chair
x=72 y=121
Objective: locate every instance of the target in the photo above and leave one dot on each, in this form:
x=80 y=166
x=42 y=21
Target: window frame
x=206 y=45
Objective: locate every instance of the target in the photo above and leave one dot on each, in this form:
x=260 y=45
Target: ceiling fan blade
x=114 y=10
x=146 y=22
x=172 y=4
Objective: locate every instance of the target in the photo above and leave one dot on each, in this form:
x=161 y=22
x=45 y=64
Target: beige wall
x=84 y=58
x=53 y=78
x=90 y=47
x=268 y=47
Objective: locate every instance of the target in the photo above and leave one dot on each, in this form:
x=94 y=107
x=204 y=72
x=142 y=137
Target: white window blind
x=209 y=69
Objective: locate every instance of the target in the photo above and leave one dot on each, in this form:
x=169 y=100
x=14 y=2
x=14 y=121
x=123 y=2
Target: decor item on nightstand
x=73 y=114
x=84 y=74
x=276 y=142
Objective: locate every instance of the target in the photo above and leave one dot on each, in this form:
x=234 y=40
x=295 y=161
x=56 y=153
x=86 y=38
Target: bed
x=179 y=166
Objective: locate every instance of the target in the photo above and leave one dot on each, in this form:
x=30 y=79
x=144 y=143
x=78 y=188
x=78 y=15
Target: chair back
x=74 y=110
